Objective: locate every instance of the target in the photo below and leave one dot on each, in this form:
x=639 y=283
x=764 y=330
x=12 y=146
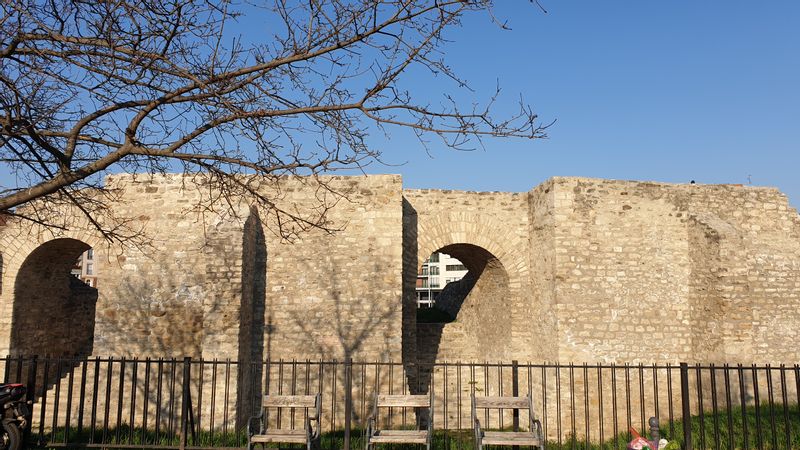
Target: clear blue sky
x=666 y=91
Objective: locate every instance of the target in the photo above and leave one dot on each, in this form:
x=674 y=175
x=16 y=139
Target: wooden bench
x=309 y=435
x=419 y=436
x=533 y=437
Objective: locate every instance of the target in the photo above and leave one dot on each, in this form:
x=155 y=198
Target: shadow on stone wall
x=344 y=326
x=162 y=308
x=409 y=296
x=252 y=318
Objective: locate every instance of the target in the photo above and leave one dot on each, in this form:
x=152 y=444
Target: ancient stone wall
x=577 y=269
x=197 y=285
x=699 y=273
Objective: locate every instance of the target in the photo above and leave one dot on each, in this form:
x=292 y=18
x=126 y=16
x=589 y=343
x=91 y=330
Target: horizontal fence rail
x=190 y=403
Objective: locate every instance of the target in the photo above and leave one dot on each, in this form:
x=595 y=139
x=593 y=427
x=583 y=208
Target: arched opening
x=55 y=295
x=438 y=279
x=476 y=308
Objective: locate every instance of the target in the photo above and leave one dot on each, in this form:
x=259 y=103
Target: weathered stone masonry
x=574 y=270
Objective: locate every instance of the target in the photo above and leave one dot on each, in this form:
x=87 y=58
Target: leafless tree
x=155 y=86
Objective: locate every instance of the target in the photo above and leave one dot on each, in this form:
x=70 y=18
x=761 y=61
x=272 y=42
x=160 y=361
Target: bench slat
x=289 y=401
x=404 y=401
x=399 y=437
x=287 y=436
x=510 y=438
x=490 y=402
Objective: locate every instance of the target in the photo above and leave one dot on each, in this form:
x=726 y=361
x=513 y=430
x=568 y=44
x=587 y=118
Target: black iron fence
x=189 y=403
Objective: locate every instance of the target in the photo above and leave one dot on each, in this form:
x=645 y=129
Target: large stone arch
x=492 y=290
x=24 y=251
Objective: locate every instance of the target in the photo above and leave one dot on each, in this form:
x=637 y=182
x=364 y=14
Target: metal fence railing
x=190 y=403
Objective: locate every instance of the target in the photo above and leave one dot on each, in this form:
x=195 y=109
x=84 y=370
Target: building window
x=89 y=269
x=433 y=270
x=90 y=254
x=434 y=258
x=455 y=267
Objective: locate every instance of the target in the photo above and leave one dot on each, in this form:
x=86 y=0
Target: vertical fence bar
x=120 y=397
x=669 y=402
x=20 y=363
x=628 y=395
x=458 y=389
x=43 y=405
x=486 y=386
x=743 y=404
x=544 y=401
x=714 y=406
x=6 y=369
x=771 y=399
x=171 y=412
x=95 y=390
x=348 y=401
x=700 y=408
x=444 y=403
x=515 y=393
x=185 y=400
x=656 y=411
x=586 y=403
x=728 y=406
x=30 y=396
x=159 y=397
x=614 y=403
x=757 y=401
x=132 y=416
x=82 y=395
x=227 y=396
x=600 y=402
x=785 y=400
x=572 y=401
x=333 y=394
x=56 y=400
x=212 y=414
x=107 y=404
x=685 y=405
x=201 y=370
x=146 y=400
x=642 y=418
x=558 y=404
x=70 y=383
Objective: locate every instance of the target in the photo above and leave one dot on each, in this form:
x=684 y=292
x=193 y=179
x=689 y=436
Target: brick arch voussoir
x=438 y=232
x=25 y=247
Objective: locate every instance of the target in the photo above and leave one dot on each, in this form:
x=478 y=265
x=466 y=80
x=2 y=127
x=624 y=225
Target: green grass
x=728 y=430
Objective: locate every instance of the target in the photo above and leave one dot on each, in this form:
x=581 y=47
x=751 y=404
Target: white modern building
x=84 y=268
x=436 y=272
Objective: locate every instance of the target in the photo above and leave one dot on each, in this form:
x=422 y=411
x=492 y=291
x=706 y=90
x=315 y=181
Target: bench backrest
x=496 y=402
x=403 y=401
x=292 y=401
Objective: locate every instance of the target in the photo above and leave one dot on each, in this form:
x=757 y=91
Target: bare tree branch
x=153 y=86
